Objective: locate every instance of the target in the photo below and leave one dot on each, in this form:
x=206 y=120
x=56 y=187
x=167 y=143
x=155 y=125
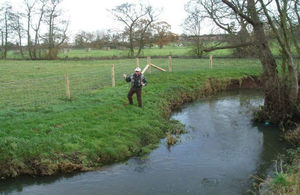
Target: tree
x=162 y=34
x=18 y=28
x=247 y=21
x=57 y=28
x=192 y=25
x=280 y=95
x=202 y=11
x=7 y=25
x=137 y=19
x=30 y=4
x=36 y=28
x=84 y=39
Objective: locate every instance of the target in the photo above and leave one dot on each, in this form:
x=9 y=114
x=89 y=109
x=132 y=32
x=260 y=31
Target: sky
x=92 y=15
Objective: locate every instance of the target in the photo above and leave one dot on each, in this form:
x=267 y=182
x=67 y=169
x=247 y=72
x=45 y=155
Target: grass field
x=165 y=51
x=48 y=134
x=120 y=53
x=42 y=83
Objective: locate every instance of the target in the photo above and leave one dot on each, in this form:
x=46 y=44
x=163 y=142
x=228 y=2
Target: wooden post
x=170 y=64
x=149 y=62
x=159 y=68
x=137 y=62
x=113 y=76
x=68 y=93
x=145 y=69
x=210 y=61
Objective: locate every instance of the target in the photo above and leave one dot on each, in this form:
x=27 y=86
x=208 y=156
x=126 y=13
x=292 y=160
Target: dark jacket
x=136 y=80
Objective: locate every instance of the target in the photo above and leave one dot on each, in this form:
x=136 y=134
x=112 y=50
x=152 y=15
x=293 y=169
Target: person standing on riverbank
x=137 y=81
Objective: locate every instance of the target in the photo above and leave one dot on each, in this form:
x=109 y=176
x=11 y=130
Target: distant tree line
x=158 y=34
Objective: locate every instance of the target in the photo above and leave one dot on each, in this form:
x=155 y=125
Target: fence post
x=68 y=93
x=210 y=61
x=149 y=62
x=113 y=76
x=170 y=64
x=137 y=62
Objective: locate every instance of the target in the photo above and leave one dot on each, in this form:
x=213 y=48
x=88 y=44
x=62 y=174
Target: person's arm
x=127 y=78
x=144 y=81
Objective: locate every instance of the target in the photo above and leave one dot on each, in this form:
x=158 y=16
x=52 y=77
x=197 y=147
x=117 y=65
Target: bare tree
x=235 y=28
x=137 y=19
x=7 y=26
x=143 y=26
x=279 y=101
x=283 y=37
x=36 y=28
x=18 y=28
x=192 y=25
x=30 y=4
x=57 y=28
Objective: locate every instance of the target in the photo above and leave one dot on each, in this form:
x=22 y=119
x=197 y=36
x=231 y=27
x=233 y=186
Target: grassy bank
x=287 y=173
x=286 y=179
x=100 y=127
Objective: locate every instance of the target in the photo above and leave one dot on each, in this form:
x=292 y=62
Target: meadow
x=42 y=83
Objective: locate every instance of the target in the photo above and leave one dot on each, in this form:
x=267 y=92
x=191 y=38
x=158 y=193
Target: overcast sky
x=92 y=15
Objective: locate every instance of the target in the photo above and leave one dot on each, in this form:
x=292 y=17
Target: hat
x=137 y=69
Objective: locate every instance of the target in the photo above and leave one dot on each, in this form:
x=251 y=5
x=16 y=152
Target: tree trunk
x=20 y=45
x=141 y=46
x=131 y=45
x=274 y=104
x=28 y=34
x=6 y=35
x=293 y=81
x=273 y=101
x=2 y=43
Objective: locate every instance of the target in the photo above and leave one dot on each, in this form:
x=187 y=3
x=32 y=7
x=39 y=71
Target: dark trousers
x=138 y=92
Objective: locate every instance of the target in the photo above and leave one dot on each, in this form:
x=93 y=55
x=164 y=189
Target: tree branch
x=229 y=47
x=270 y=21
x=235 y=9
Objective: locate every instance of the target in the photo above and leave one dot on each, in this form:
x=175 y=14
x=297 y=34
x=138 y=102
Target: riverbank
x=286 y=179
x=101 y=128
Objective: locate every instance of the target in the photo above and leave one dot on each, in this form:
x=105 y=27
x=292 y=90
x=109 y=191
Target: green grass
x=40 y=83
x=119 y=53
x=288 y=180
x=97 y=127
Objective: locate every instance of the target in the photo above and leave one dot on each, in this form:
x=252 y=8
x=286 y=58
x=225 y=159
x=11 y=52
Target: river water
x=220 y=152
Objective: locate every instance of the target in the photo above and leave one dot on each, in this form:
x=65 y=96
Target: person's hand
x=124 y=75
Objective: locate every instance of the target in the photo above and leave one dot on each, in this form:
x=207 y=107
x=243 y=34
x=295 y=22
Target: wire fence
x=47 y=90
